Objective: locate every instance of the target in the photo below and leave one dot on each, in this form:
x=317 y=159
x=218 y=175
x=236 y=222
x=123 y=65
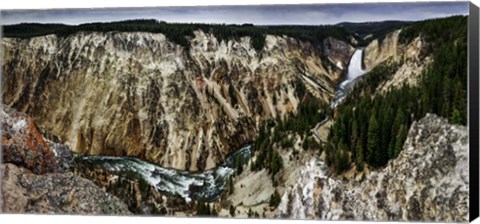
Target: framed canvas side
x=473 y=57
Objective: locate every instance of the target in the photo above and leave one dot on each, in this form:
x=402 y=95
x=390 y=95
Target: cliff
x=428 y=181
x=138 y=94
x=23 y=144
x=36 y=177
x=411 y=57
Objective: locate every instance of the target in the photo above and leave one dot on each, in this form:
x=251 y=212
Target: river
x=298 y=200
x=208 y=184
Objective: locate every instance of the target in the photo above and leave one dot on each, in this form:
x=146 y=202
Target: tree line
x=371 y=129
x=181 y=32
x=281 y=132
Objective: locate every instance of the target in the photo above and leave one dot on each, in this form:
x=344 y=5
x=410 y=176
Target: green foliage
x=179 y=32
x=373 y=145
x=232 y=210
x=231 y=187
x=278 y=133
x=204 y=209
x=342 y=159
x=276 y=163
x=275 y=199
x=399 y=139
x=442 y=90
x=310 y=143
x=441 y=30
x=369 y=31
x=238 y=163
x=359 y=162
x=456 y=116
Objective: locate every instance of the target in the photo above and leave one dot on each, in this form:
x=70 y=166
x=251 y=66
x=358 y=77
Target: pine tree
x=342 y=160
x=456 y=117
x=214 y=211
x=275 y=199
x=373 y=141
x=328 y=153
x=355 y=135
x=359 y=160
x=391 y=149
x=231 y=187
x=232 y=211
x=400 y=138
x=386 y=131
x=460 y=103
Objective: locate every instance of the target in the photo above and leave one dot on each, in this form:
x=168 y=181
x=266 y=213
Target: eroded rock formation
x=55 y=193
x=37 y=178
x=22 y=143
x=138 y=94
x=411 y=57
x=428 y=181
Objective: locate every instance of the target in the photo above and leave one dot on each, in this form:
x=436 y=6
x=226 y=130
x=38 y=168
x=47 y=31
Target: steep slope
x=411 y=57
x=57 y=193
x=22 y=143
x=138 y=94
x=35 y=178
x=428 y=181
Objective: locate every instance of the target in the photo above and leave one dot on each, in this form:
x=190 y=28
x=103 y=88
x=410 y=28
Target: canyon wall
x=411 y=58
x=138 y=94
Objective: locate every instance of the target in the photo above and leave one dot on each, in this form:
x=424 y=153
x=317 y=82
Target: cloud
x=261 y=15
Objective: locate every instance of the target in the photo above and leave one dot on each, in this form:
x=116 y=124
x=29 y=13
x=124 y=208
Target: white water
x=355 y=67
x=354 y=71
x=298 y=200
x=209 y=183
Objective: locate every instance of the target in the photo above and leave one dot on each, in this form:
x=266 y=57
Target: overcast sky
x=259 y=15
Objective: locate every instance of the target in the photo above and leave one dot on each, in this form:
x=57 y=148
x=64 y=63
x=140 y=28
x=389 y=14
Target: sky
x=311 y=14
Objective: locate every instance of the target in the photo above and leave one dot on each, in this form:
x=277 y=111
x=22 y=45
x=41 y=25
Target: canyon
x=138 y=94
x=154 y=127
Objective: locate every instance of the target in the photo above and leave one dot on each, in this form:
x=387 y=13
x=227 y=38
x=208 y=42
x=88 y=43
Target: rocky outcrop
x=379 y=51
x=428 y=181
x=22 y=143
x=338 y=52
x=54 y=193
x=411 y=58
x=412 y=61
x=138 y=94
x=37 y=174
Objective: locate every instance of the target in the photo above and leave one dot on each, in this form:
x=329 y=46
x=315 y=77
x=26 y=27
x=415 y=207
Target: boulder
x=23 y=144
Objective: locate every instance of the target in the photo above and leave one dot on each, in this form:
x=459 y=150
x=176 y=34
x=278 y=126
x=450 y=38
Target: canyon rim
x=333 y=120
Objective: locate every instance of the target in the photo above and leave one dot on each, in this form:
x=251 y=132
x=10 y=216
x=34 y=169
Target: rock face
x=428 y=181
x=335 y=52
x=54 y=193
x=36 y=174
x=22 y=143
x=138 y=94
x=411 y=58
x=379 y=51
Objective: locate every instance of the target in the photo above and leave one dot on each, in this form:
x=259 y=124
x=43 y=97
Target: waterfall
x=354 y=71
x=355 y=67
